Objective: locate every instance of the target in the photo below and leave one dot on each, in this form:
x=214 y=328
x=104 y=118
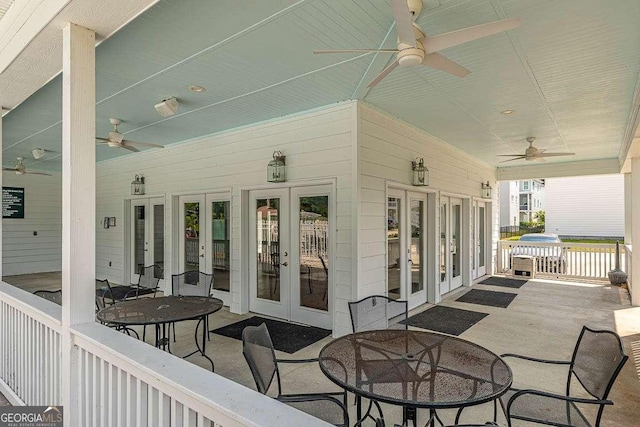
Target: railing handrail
x=215 y=397
x=513 y=243
x=44 y=311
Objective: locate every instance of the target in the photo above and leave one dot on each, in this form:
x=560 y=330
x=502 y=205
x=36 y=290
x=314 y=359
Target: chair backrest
x=53 y=296
x=192 y=283
x=103 y=290
x=378 y=312
x=257 y=349
x=150 y=276
x=597 y=360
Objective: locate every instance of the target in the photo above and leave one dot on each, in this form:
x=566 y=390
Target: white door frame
x=210 y=198
x=149 y=236
x=182 y=200
x=451 y=247
x=480 y=244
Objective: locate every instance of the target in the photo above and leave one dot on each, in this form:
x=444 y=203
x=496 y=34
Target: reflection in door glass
x=268 y=248
x=393 y=249
x=220 y=245
x=455 y=240
x=443 y=241
x=417 y=254
x=314 y=257
x=481 y=259
x=191 y=236
x=158 y=238
x=138 y=238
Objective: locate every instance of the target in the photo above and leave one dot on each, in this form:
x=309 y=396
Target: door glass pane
x=268 y=248
x=393 y=249
x=481 y=236
x=158 y=237
x=314 y=259
x=192 y=236
x=220 y=245
x=443 y=241
x=138 y=238
x=416 y=252
x=455 y=240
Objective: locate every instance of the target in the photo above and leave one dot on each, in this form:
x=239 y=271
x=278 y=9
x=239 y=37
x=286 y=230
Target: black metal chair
x=381 y=312
x=257 y=349
x=597 y=360
x=378 y=312
x=103 y=294
x=53 y=296
x=192 y=283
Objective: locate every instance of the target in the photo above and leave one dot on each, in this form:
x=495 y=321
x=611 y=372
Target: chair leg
x=174 y=331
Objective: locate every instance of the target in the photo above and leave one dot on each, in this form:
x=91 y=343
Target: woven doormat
x=503 y=281
x=490 y=298
x=287 y=337
x=452 y=321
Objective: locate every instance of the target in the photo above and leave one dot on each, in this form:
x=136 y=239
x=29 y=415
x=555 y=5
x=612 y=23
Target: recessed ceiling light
x=196 y=89
x=507 y=112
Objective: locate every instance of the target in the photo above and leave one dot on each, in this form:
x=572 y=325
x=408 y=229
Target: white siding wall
x=585 y=206
x=509 y=203
x=387 y=146
x=318 y=146
x=22 y=251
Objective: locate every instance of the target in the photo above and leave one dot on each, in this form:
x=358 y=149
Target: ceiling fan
x=21 y=169
x=533 y=153
x=116 y=139
x=415 y=48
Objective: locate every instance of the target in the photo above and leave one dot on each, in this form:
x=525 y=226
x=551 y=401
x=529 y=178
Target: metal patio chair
x=257 y=349
x=192 y=283
x=53 y=296
x=103 y=296
x=597 y=360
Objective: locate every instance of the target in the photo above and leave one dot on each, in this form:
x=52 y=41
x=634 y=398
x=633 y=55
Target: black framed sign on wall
x=12 y=202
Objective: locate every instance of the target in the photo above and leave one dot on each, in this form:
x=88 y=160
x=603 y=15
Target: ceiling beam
x=558 y=170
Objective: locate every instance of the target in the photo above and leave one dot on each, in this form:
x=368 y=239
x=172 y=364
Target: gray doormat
x=491 y=298
x=503 y=281
x=452 y=321
x=287 y=337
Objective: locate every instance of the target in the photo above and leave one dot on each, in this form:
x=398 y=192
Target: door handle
x=285 y=264
x=201 y=255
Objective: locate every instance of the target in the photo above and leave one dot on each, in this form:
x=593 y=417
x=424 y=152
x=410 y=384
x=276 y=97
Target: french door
x=204 y=241
x=451 y=244
x=290 y=253
x=147 y=235
x=480 y=239
x=406 y=246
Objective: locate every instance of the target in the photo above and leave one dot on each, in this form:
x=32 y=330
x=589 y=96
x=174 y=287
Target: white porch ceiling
x=4 y=6
x=570 y=72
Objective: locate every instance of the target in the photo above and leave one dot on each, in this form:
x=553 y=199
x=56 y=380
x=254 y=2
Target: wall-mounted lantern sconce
x=420 y=173
x=137 y=186
x=276 y=168
x=486 y=190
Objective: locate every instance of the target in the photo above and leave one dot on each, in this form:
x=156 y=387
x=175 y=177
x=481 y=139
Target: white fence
x=121 y=381
x=576 y=260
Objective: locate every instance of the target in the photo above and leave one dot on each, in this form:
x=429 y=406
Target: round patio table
x=162 y=311
x=415 y=369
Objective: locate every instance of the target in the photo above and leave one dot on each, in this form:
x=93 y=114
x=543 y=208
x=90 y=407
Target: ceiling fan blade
x=355 y=51
x=8 y=169
x=130 y=148
x=127 y=142
x=404 y=23
x=38 y=173
x=554 y=154
x=511 y=160
x=102 y=139
x=383 y=74
x=442 y=63
x=539 y=159
x=454 y=38
x=509 y=155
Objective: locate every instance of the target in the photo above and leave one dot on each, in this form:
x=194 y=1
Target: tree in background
x=540 y=216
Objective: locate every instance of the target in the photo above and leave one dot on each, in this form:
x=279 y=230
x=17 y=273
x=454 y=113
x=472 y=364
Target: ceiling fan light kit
x=416 y=48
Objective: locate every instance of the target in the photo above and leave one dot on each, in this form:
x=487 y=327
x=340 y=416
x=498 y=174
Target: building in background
x=586 y=206
x=520 y=201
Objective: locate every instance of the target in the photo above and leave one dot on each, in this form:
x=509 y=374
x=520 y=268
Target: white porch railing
x=121 y=381
x=576 y=260
x=30 y=348
x=629 y=270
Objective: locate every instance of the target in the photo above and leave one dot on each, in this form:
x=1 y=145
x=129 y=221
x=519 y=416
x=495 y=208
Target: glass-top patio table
x=415 y=369
x=161 y=312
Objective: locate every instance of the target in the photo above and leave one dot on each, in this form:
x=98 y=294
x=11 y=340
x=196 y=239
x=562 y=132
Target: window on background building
x=525 y=185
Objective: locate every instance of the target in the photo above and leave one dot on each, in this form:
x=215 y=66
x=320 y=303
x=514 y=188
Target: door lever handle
x=285 y=263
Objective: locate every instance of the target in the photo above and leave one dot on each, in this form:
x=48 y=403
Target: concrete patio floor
x=544 y=320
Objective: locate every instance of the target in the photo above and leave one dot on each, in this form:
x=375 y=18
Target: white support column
x=1 y=259
x=635 y=228
x=627 y=208
x=78 y=201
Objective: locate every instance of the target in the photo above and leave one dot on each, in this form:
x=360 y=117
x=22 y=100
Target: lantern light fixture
x=486 y=190
x=420 y=173
x=137 y=186
x=276 y=169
